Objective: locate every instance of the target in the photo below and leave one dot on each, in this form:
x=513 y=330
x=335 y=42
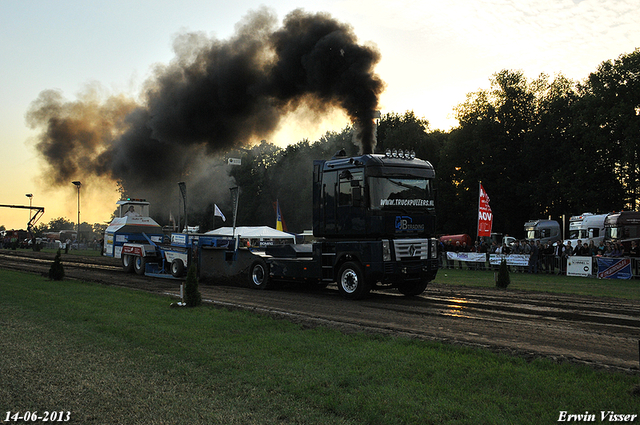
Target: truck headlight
x=434 y=248
x=386 y=250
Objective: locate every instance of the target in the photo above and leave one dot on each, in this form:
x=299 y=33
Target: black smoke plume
x=214 y=96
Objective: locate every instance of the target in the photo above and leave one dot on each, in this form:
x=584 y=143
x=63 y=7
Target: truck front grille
x=411 y=249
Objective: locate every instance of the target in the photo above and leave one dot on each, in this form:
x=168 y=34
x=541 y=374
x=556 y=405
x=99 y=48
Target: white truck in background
x=586 y=227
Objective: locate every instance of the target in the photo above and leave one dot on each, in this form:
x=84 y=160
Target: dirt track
x=598 y=331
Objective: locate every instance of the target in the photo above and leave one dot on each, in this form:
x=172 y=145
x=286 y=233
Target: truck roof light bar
x=399 y=153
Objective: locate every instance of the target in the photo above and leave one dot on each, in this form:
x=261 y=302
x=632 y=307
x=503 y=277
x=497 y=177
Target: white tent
x=259 y=232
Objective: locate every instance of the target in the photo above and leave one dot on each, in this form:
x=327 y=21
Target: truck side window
x=350 y=188
x=344 y=198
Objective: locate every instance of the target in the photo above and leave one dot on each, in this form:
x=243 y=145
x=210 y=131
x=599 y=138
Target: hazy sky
x=433 y=54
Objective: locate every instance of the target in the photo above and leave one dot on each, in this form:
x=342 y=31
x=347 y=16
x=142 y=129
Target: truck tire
x=411 y=289
x=127 y=263
x=177 y=268
x=259 y=275
x=351 y=281
x=139 y=264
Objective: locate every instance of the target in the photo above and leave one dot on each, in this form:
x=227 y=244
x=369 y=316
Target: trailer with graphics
x=144 y=249
x=140 y=243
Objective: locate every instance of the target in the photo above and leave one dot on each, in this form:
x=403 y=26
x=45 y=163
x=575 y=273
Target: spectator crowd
x=547 y=258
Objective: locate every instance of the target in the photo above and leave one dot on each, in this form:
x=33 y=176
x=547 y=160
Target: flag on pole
x=278 y=217
x=485 y=216
x=218 y=213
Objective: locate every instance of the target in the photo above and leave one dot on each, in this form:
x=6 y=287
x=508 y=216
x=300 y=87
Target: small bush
x=56 y=271
x=503 y=275
x=192 y=297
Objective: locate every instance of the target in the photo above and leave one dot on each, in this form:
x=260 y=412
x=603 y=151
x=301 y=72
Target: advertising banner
x=472 y=257
x=485 y=217
x=579 y=266
x=614 y=268
x=512 y=259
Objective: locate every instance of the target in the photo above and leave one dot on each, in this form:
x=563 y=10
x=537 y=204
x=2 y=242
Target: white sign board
x=579 y=266
x=234 y=161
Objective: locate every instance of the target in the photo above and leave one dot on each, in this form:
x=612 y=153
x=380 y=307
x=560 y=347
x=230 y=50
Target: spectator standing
x=568 y=249
x=576 y=250
x=618 y=250
x=584 y=250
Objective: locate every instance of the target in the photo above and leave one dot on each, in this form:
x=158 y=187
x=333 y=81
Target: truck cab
x=373 y=196
x=623 y=227
x=545 y=231
x=586 y=227
x=374 y=217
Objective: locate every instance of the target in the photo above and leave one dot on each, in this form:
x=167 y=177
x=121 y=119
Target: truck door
x=351 y=203
x=329 y=183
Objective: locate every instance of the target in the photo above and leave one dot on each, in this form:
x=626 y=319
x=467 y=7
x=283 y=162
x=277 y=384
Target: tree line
x=543 y=147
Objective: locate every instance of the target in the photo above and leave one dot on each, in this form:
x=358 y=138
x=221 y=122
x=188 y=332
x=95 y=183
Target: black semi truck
x=374 y=216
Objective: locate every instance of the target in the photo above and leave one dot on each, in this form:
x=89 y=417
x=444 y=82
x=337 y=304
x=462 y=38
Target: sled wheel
x=139 y=265
x=127 y=263
x=177 y=268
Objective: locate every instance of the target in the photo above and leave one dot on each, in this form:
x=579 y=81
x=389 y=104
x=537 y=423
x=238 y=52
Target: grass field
x=613 y=288
x=117 y=356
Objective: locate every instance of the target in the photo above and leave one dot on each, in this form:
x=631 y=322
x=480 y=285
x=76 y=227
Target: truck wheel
x=127 y=263
x=139 y=264
x=351 y=281
x=259 y=275
x=177 y=268
x=411 y=289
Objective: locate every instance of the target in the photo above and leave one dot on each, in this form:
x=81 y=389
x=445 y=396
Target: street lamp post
x=30 y=196
x=78 y=184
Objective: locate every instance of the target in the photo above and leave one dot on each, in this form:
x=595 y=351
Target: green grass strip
x=559 y=284
x=112 y=355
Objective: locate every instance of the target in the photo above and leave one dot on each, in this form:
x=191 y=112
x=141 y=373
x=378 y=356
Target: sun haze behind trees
x=541 y=147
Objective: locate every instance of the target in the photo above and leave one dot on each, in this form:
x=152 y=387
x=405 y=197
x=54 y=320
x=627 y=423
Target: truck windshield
x=613 y=233
x=405 y=192
x=578 y=234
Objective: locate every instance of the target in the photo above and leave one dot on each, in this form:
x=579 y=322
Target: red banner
x=485 y=217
